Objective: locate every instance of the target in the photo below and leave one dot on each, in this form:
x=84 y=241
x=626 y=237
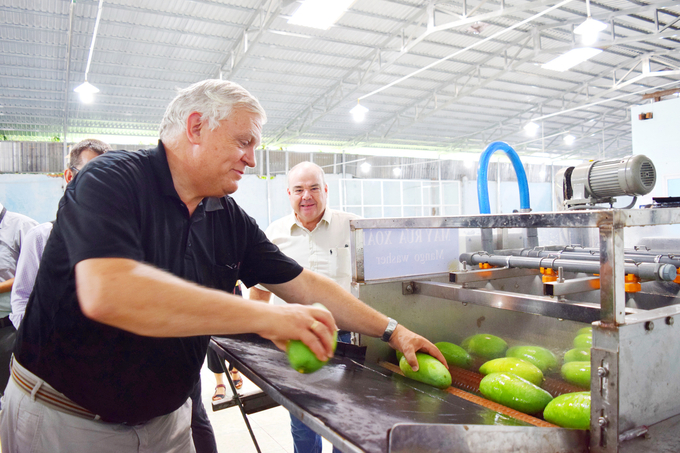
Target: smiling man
x=138 y=273
x=317 y=237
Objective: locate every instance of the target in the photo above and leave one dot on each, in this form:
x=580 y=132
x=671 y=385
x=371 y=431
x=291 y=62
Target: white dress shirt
x=13 y=229
x=27 y=269
x=325 y=250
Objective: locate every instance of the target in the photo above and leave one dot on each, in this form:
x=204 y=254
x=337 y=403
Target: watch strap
x=389 y=330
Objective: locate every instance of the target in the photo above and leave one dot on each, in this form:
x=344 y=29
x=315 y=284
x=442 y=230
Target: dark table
x=352 y=404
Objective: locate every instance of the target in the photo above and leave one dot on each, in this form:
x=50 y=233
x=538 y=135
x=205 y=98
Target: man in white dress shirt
x=34 y=242
x=13 y=230
x=317 y=238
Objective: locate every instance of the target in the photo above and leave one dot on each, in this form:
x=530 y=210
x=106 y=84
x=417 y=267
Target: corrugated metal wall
x=46 y=157
x=31 y=157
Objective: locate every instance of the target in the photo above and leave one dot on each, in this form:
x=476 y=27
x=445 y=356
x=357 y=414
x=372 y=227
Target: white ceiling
x=309 y=79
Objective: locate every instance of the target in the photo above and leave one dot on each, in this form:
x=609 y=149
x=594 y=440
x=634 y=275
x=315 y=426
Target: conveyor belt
x=351 y=404
x=461 y=377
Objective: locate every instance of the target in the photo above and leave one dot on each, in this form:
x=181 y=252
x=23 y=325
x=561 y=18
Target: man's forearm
x=6 y=286
x=147 y=301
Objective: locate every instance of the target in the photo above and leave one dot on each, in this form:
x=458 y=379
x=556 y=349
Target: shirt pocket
x=225 y=277
x=339 y=264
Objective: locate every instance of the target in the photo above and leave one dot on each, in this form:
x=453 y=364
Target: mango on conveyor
x=585 y=340
x=577 y=373
x=520 y=367
x=301 y=358
x=571 y=410
x=514 y=392
x=585 y=330
x=543 y=358
x=485 y=345
x=430 y=371
x=577 y=355
x=454 y=354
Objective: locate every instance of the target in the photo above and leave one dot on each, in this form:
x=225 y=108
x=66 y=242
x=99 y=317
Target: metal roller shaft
x=646 y=271
x=594 y=255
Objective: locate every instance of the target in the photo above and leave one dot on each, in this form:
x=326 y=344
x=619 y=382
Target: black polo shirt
x=124 y=205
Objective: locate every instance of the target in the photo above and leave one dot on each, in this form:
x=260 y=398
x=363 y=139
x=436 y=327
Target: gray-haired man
x=138 y=273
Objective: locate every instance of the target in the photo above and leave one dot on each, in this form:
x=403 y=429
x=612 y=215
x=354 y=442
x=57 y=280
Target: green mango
x=577 y=373
x=301 y=358
x=541 y=357
x=585 y=340
x=454 y=354
x=571 y=410
x=577 y=355
x=514 y=392
x=430 y=371
x=520 y=367
x=582 y=330
x=485 y=345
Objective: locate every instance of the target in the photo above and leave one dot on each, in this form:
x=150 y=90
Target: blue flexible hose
x=483 y=181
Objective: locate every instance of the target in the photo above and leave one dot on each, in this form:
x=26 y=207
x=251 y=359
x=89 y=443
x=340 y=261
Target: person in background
x=317 y=237
x=139 y=272
x=34 y=243
x=13 y=230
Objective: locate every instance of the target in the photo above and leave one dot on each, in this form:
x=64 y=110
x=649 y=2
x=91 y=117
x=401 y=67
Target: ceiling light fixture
x=590 y=28
x=397 y=171
x=365 y=167
x=359 y=112
x=320 y=14
x=86 y=90
x=571 y=59
x=531 y=128
x=569 y=139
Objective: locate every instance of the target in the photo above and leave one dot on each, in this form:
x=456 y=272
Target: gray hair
x=307 y=164
x=214 y=99
x=96 y=146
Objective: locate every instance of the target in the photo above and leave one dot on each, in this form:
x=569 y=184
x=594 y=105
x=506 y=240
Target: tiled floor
x=271 y=427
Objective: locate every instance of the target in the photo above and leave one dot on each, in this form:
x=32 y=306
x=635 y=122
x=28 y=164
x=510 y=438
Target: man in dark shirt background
x=138 y=273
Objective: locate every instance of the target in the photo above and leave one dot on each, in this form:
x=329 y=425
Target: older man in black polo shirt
x=138 y=274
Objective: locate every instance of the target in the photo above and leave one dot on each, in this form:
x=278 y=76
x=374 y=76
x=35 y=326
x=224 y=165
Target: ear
x=194 y=128
x=68 y=175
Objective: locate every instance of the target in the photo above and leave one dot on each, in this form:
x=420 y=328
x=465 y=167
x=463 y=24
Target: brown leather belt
x=45 y=394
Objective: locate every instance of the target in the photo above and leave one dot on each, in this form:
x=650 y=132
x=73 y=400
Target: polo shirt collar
x=159 y=163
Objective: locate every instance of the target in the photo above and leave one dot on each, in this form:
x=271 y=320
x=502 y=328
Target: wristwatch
x=389 y=330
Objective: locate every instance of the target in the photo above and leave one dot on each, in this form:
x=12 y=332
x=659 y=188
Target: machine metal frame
x=634 y=382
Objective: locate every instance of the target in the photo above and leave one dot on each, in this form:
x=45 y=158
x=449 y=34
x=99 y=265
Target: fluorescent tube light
x=571 y=59
x=320 y=14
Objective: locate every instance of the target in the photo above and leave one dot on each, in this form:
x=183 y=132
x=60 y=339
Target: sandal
x=220 y=395
x=236 y=378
